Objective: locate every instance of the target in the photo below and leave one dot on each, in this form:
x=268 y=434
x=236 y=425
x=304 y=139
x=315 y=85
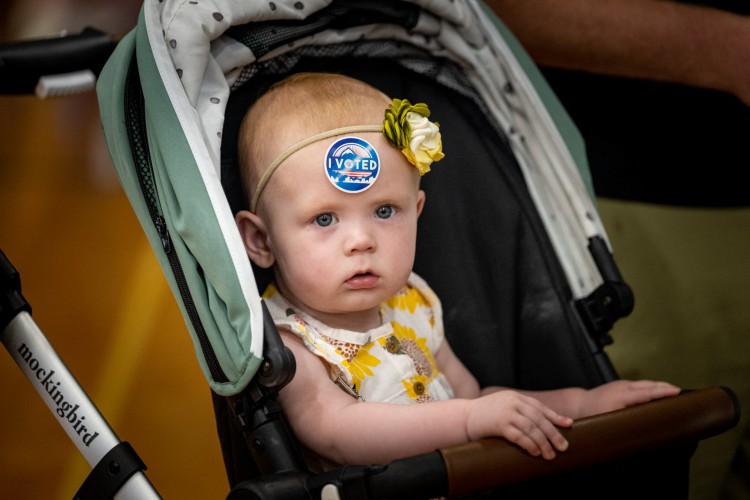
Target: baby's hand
x=623 y=393
x=520 y=419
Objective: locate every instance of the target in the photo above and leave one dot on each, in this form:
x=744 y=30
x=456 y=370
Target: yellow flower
x=408 y=301
x=415 y=386
x=416 y=348
x=270 y=291
x=408 y=128
x=360 y=366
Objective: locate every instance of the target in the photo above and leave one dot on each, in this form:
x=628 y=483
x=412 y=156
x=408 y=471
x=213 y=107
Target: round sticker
x=352 y=164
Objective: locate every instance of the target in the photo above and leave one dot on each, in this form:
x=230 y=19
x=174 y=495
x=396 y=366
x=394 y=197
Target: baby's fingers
x=642 y=391
x=539 y=427
x=556 y=418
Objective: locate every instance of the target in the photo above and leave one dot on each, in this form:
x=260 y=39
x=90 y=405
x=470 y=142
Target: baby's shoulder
x=416 y=285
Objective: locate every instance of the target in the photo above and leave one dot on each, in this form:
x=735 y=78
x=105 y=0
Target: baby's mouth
x=362 y=280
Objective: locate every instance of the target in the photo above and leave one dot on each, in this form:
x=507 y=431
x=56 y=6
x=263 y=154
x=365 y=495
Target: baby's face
x=338 y=254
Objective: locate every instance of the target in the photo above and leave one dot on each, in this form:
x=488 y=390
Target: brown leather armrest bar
x=689 y=417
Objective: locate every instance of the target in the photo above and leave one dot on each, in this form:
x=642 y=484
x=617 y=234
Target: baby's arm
x=335 y=425
x=623 y=393
x=573 y=401
x=578 y=402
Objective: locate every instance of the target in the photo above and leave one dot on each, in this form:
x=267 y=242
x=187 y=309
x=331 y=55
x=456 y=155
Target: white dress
x=392 y=363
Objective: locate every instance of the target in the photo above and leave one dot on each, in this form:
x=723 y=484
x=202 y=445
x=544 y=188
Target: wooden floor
x=99 y=297
x=96 y=290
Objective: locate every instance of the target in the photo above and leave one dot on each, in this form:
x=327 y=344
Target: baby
x=334 y=200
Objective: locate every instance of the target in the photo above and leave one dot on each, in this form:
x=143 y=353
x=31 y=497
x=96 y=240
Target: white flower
x=425 y=144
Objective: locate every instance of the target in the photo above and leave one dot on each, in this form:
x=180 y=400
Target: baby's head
x=297 y=108
x=331 y=168
x=296 y=111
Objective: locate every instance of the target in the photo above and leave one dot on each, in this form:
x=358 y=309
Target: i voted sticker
x=352 y=164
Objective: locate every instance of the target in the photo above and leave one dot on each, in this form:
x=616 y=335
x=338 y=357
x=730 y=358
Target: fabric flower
x=408 y=128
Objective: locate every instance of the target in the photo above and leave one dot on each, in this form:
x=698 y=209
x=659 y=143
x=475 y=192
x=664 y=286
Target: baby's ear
x=420 y=202
x=255 y=238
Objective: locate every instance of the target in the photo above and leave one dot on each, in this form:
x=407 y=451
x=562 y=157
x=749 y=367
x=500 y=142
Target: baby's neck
x=354 y=321
x=359 y=321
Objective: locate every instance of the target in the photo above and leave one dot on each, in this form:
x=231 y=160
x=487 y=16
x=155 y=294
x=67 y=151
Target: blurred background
x=96 y=291
x=99 y=296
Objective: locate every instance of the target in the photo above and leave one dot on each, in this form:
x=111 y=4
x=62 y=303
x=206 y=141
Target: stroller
x=171 y=98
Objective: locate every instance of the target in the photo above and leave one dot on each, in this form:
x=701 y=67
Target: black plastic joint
x=112 y=471
x=12 y=301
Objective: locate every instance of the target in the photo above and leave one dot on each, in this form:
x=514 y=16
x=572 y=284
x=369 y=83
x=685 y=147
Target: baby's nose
x=359 y=239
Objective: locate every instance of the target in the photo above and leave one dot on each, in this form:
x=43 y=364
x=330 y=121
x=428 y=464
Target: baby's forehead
x=342 y=172
x=284 y=129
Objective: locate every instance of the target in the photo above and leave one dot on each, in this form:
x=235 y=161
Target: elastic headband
x=405 y=127
x=301 y=144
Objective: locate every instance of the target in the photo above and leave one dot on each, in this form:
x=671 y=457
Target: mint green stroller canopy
x=187 y=66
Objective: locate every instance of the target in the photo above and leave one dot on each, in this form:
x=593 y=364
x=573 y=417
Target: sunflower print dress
x=392 y=363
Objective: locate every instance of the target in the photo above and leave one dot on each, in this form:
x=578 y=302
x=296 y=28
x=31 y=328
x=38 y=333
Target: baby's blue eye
x=325 y=220
x=385 y=212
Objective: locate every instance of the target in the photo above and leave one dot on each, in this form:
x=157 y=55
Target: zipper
x=135 y=122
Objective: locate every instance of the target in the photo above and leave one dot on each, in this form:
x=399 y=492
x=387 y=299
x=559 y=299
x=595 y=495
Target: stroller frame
x=116 y=467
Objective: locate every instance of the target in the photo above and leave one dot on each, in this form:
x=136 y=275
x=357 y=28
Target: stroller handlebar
x=687 y=418
x=59 y=65
x=491 y=463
